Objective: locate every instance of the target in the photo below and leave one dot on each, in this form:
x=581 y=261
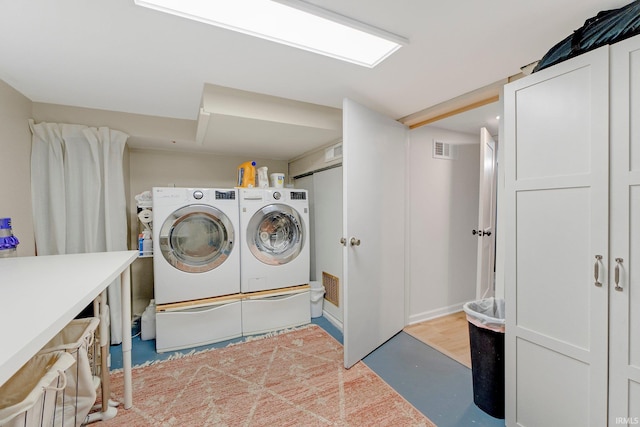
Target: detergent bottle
x=8 y=241
x=247 y=174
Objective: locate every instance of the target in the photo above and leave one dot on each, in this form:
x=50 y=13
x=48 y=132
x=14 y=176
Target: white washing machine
x=275 y=238
x=196 y=266
x=195 y=243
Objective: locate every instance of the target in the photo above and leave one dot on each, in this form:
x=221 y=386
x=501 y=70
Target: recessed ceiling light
x=293 y=23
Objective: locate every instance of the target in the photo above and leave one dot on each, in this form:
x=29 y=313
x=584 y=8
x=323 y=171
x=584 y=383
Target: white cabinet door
x=374 y=227
x=556 y=224
x=625 y=234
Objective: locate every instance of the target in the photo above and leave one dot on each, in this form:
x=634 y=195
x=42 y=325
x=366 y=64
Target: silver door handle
x=354 y=242
x=617 y=274
x=596 y=270
x=343 y=241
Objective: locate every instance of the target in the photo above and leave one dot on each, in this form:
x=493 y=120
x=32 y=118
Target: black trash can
x=486 y=338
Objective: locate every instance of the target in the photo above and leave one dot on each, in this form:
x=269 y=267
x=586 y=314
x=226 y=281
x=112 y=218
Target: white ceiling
x=113 y=55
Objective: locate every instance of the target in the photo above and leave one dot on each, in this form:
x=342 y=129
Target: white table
x=40 y=295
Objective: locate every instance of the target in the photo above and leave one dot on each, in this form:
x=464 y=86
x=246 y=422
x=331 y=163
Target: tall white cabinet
x=624 y=338
x=572 y=231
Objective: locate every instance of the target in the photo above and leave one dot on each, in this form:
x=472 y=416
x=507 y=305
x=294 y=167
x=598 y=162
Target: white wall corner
x=203 y=125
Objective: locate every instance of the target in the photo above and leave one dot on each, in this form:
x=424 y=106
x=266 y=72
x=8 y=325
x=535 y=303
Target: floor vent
x=443 y=150
x=332 y=288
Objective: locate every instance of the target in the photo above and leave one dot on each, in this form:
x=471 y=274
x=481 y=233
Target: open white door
x=374 y=148
x=486 y=216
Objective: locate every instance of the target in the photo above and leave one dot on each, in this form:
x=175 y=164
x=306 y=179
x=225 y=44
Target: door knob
x=354 y=242
x=343 y=241
x=474 y=232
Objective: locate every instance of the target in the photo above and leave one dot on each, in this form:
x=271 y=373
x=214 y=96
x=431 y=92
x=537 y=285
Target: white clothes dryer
x=275 y=240
x=194 y=243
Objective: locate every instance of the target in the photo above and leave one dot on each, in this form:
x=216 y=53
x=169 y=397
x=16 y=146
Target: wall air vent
x=333 y=153
x=331 y=285
x=443 y=150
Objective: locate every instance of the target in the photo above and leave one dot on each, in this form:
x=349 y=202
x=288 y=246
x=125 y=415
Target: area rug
x=291 y=379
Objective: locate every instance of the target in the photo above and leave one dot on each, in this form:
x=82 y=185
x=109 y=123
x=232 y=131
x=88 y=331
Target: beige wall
x=15 y=166
x=443 y=203
x=135 y=125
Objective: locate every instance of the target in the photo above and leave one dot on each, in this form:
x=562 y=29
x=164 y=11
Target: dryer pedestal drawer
x=192 y=327
x=270 y=312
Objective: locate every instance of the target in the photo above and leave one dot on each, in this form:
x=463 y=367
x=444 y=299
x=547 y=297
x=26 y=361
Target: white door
x=486 y=216
x=625 y=235
x=556 y=149
x=374 y=229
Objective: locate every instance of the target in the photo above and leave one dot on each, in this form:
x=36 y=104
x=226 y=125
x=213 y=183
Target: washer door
x=274 y=234
x=196 y=238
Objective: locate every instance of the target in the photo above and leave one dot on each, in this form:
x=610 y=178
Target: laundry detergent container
x=486 y=338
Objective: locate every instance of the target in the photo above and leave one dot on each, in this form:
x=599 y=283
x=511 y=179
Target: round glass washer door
x=274 y=234
x=196 y=238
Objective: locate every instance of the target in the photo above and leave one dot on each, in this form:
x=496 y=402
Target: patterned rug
x=291 y=379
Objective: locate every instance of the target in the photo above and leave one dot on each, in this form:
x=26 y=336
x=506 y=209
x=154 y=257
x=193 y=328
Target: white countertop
x=40 y=295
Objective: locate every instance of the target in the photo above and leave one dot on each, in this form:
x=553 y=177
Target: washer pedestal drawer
x=179 y=328
x=269 y=311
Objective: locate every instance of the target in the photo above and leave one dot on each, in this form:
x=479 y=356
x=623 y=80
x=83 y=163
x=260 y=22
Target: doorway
x=444 y=223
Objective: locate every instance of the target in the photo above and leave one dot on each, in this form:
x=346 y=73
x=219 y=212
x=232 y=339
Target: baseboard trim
x=433 y=314
x=333 y=320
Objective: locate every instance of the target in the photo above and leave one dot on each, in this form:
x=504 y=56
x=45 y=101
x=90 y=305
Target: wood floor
x=447 y=334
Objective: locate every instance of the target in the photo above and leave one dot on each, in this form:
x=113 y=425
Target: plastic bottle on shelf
x=8 y=241
x=140 y=244
x=145 y=244
x=263 y=177
x=247 y=174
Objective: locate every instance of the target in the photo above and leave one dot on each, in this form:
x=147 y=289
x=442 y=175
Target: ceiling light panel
x=293 y=23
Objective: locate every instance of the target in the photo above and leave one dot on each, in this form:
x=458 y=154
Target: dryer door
x=196 y=238
x=274 y=234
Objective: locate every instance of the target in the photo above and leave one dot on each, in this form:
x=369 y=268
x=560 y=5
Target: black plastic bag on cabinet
x=607 y=27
